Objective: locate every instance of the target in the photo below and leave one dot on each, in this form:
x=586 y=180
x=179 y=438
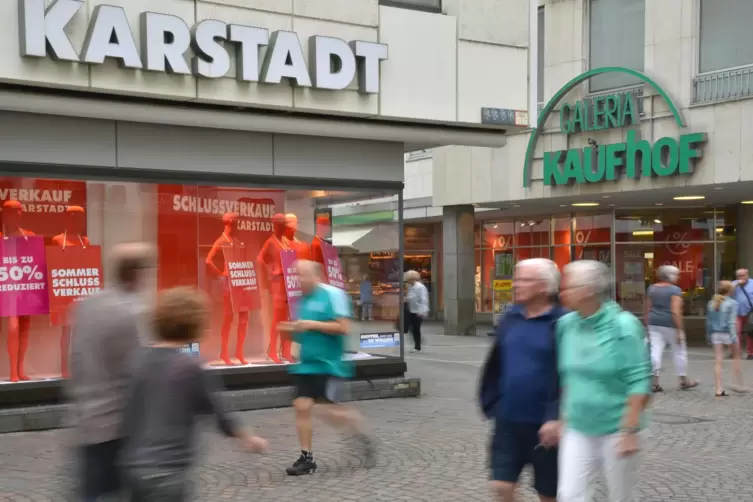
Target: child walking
x=169 y=390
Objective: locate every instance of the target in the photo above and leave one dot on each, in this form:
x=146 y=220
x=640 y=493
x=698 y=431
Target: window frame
x=541 y=53
x=589 y=59
x=697 y=6
x=406 y=4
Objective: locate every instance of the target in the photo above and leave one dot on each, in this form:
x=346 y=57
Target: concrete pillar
x=744 y=236
x=458 y=270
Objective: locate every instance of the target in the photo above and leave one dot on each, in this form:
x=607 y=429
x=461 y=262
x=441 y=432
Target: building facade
x=641 y=157
x=228 y=133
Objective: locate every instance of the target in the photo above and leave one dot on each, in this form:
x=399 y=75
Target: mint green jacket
x=603 y=360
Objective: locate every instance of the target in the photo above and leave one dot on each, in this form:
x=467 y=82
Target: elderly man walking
x=743 y=295
x=417 y=299
x=520 y=384
x=105 y=336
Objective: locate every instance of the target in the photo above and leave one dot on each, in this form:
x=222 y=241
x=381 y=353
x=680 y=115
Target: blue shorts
x=515 y=445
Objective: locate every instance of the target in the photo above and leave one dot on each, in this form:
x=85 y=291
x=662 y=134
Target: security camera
x=591 y=141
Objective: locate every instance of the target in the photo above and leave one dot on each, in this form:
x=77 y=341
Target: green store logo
x=635 y=158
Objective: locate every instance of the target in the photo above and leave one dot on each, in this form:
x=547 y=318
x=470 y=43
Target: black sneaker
x=304 y=465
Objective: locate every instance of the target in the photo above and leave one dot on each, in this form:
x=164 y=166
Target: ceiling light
x=747 y=202
x=718 y=188
x=719 y=230
x=658 y=222
x=605 y=196
x=659 y=204
x=516 y=205
x=638 y=233
x=585 y=204
x=495 y=226
x=689 y=197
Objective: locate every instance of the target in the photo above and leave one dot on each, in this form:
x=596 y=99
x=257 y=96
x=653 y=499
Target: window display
x=239 y=245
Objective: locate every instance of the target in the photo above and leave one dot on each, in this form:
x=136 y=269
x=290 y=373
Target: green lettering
x=665 y=157
x=689 y=150
x=629 y=110
x=593 y=165
x=615 y=157
x=578 y=124
x=611 y=112
x=638 y=156
x=566 y=125
x=552 y=170
x=573 y=168
x=598 y=113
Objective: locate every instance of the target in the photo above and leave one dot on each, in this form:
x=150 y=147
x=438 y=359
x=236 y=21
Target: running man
x=321 y=330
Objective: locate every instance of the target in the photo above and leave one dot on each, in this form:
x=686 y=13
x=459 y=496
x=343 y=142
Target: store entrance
x=422 y=263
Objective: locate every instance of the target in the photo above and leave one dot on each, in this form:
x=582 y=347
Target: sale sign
x=288 y=258
x=332 y=265
x=23 y=278
x=242 y=280
x=73 y=273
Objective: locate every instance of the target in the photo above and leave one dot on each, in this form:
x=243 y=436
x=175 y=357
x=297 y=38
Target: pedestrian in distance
x=520 y=386
x=418 y=306
x=664 y=322
x=321 y=330
x=107 y=332
x=168 y=392
x=743 y=295
x=721 y=331
x=606 y=380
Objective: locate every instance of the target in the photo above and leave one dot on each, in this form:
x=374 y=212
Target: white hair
x=590 y=274
x=412 y=275
x=546 y=270
x=668 y=273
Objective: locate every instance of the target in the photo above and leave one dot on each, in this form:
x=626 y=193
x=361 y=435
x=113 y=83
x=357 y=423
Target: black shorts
x=320 y=388
x=516 y=445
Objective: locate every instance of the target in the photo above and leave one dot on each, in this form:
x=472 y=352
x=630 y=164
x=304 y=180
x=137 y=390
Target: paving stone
x=432 y=448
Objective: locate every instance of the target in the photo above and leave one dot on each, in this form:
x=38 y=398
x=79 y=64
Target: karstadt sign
x=166 y=40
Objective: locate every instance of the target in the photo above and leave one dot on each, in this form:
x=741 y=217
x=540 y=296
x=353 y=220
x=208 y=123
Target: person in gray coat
x=106 y=333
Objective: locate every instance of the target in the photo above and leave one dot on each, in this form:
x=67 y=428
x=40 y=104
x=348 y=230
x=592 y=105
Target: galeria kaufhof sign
x=166 y=40
x=634 y=158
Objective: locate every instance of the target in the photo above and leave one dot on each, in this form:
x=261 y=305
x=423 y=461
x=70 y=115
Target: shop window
x=617 y=38
x=424 y=5
x=238 y=245
x=498 y=235
x=533 y=232
x=726 y=40
x=562 y=228
x=680 y=225
x=636 y=267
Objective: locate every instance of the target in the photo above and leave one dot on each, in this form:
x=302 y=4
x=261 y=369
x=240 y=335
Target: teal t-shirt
x=603 y=359
x=321 y=353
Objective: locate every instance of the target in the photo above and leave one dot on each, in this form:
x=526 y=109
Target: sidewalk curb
x=40 y=418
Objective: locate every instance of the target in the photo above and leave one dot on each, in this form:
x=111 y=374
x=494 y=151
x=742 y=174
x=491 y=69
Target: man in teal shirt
x=321 y=329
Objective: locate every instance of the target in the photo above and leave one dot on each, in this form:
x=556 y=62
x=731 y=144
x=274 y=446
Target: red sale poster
x=686 y=256
x=73 y=273
x=332 y=265
x=242 y=280
x=44 y=202
x=292 y=280
x=23 y=278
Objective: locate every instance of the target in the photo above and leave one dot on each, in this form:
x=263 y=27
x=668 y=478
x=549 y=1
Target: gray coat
x=107 y=329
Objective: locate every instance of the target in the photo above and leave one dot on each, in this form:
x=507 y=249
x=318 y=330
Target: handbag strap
x=746 y=294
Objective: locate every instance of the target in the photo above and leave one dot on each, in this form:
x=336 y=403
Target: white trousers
x=662 y=336
x=581 y=457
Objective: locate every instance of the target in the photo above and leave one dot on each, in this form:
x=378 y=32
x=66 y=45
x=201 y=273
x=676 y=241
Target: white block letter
x=248 y=42
x=165 y=39
x=369 y=55
x=285 y=60
x=40 y=29
x=212 y=59
x=333 y=65
x=109 y=36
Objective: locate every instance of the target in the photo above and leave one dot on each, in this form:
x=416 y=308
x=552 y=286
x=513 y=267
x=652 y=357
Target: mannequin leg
x=227 y=322
x=242 y=331
x=282 y=315
x=65 y=340
x=24 y=325
x=13 y=345
x=274 y=338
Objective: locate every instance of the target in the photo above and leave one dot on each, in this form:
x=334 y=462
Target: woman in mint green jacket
x=605 y=373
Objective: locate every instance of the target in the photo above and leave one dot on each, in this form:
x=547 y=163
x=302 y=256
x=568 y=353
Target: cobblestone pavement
x=432 y=448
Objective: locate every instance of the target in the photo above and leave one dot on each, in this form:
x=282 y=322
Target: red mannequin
x=269 y=260
x=18 y=326
x=74 y=226
x=322 y=231
x=302 y=249
x=227 y=239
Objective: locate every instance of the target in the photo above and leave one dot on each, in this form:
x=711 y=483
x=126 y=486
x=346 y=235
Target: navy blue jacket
x=490 y=392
